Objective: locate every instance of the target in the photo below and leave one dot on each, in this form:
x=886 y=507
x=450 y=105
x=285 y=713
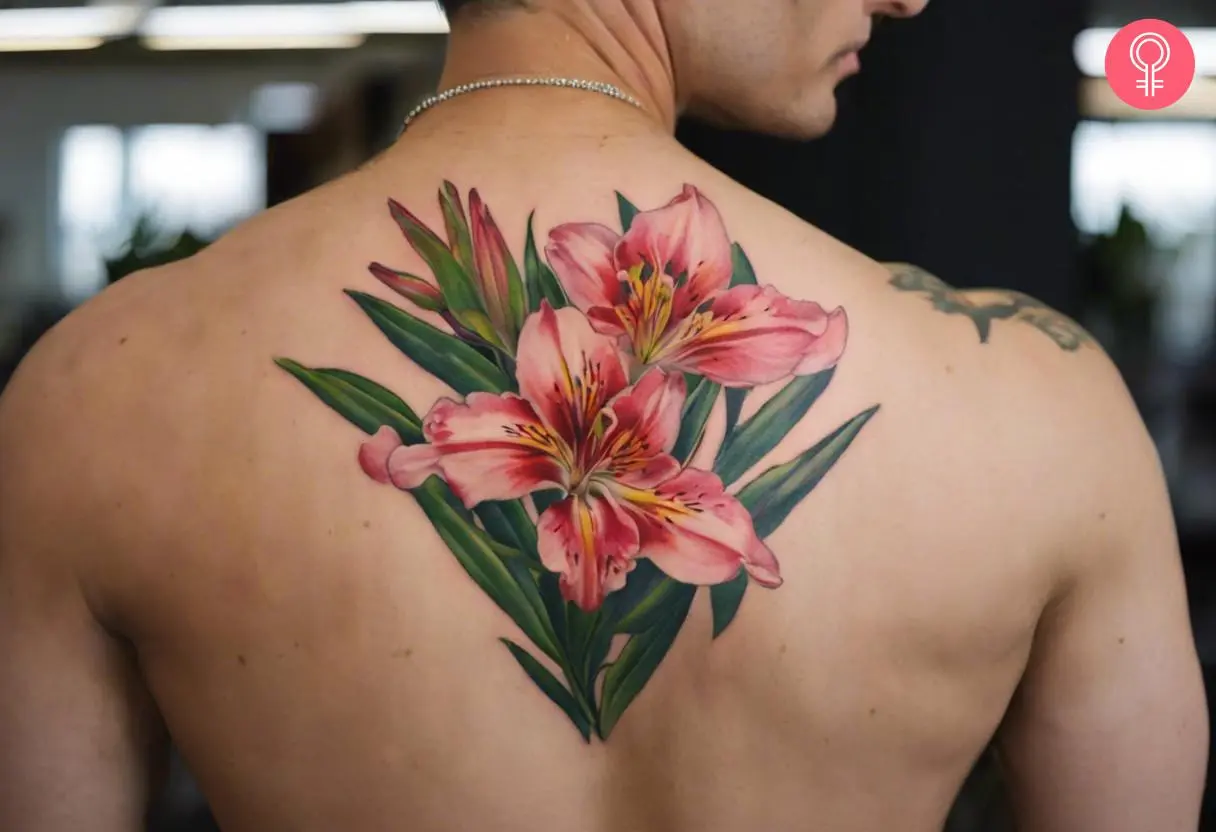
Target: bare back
x=326 y=658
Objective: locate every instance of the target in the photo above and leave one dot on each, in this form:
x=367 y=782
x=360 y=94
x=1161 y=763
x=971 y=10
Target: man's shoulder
x=991 y=391
x=1027 y=358
x=1065 y=443
x=99 y=354
x=77 y=418
x=1023 y=344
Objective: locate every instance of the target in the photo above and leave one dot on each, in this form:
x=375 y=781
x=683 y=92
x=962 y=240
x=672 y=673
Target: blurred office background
x=979 y=142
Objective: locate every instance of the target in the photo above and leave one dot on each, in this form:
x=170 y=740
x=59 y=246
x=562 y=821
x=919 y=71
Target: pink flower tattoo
x=580 y=427
x=663 y=288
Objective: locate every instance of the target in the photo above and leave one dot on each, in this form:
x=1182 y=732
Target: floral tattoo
x=560 y=472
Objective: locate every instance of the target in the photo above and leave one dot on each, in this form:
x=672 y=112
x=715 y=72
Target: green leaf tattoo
x=460 y=238
x=552 y=688
x=725 y=600
x=366 y=404
x=626 y=209
x=1066 y=333
x=594 y=411
x=771 y=496
x=757 y=436
x=446 y=357
x=539 y=279
x=702 y=394
x=626 y=676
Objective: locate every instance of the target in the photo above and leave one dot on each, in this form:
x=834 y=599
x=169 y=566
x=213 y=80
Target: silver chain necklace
x=570 y=83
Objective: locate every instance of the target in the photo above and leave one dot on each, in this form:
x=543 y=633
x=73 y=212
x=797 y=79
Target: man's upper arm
x=1109 y=729
x=76 y=728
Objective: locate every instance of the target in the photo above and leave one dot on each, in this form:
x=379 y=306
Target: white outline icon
x=1151 y=83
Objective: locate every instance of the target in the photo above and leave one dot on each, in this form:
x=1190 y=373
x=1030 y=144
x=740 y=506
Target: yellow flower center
x=649 y=312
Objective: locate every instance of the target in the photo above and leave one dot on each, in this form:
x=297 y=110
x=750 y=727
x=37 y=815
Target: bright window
x=1165 y=174
x=181 y=177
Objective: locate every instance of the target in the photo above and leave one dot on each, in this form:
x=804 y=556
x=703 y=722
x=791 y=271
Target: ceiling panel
x=1102 y=12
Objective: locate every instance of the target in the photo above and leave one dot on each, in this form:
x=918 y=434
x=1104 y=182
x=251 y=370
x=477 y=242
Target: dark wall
x=952 y=150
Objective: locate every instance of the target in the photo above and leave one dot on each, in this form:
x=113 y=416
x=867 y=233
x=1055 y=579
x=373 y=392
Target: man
x=426 y=516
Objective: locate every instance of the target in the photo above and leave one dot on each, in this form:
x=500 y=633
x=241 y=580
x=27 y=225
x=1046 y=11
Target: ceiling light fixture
x=63 y=28
x=336 y=25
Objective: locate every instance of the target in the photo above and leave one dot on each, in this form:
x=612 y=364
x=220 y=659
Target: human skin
x=192 y=543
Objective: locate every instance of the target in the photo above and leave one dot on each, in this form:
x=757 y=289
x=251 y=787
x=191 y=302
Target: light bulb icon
x=1150 y=83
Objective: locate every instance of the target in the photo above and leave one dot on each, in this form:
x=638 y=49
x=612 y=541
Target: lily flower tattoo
x=558 y=473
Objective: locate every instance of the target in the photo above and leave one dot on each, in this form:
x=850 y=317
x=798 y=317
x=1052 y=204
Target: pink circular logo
x=1150 y=64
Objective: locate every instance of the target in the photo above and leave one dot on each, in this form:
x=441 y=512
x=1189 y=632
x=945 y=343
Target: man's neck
x=619 y=49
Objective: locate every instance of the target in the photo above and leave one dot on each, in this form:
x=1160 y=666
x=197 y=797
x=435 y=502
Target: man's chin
x=811 y=118
x=815 y=121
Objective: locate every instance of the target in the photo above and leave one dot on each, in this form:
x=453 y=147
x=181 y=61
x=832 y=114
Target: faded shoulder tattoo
x=559 y=472
x=1067 y=333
